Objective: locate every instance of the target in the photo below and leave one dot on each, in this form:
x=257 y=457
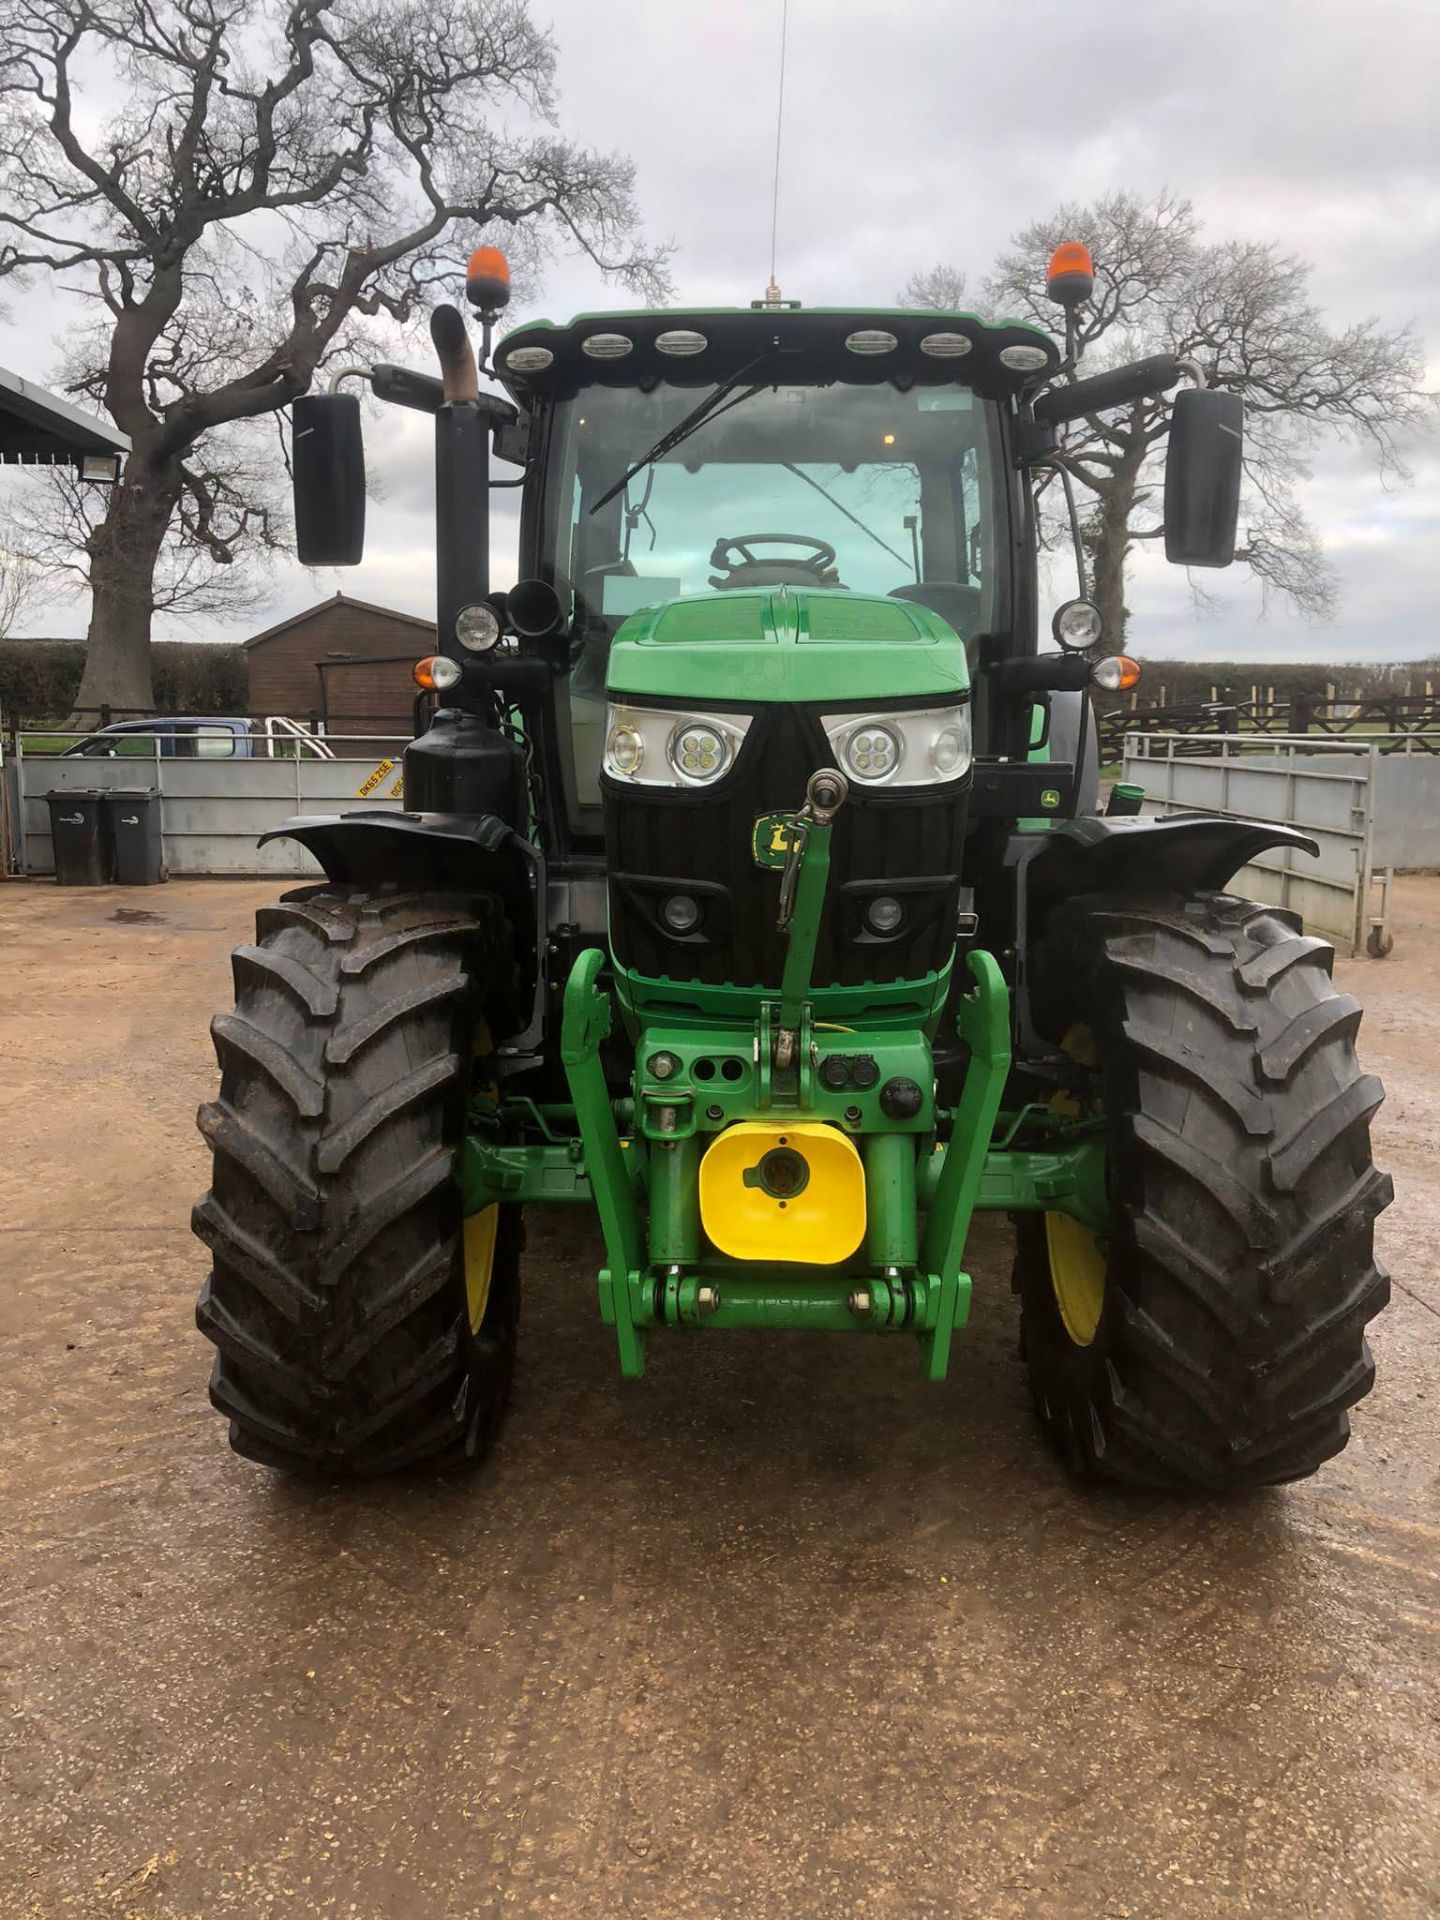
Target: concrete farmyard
x=697 y=1648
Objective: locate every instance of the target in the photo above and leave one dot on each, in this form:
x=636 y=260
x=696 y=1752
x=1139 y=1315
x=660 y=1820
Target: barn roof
x=39 y=429
x=337 y=600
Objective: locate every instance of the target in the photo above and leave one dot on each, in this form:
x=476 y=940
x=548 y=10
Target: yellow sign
x=374 y=779
x=772 y=838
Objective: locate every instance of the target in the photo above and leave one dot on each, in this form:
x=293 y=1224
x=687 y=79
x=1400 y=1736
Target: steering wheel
x=819 y=559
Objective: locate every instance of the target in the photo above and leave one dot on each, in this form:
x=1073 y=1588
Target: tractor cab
x=697 y=455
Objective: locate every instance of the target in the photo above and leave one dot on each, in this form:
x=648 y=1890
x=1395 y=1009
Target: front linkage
x=785 y=1176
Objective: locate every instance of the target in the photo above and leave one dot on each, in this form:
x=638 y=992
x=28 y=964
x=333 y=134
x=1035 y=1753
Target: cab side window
x=207 y=743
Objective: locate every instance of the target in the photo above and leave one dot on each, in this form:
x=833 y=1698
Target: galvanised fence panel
x=212 y=809
x=1329 y=793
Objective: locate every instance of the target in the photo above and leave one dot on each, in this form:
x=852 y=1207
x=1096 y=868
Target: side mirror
x=1203 y=467
x=328 y=459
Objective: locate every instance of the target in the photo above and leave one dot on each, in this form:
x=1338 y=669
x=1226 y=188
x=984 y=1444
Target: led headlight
x=698 y=751
x=921 y=747
x=477 y=627
x=872 y=752
x=658 y=747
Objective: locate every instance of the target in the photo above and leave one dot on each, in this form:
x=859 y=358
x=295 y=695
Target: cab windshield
x=864 y=489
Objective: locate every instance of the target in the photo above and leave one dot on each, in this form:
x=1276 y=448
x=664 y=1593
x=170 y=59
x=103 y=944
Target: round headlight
x=1077 y=625
x=872 y=752
x=947 y=752
x=1024 y=359
x=884 y=913
x=698 y=752
x=681 y=913
x=624 y=751
x=477 y=628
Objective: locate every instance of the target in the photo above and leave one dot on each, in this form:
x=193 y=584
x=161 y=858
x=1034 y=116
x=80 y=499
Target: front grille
x=699 y=842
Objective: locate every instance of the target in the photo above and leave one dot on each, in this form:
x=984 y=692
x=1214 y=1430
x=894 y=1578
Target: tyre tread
x=336 y=1298
x=1242 y=1272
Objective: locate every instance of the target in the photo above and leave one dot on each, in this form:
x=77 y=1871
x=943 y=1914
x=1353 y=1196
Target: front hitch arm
x=802 y=901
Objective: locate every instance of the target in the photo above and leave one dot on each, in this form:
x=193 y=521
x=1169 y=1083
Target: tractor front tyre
x=1213 y=1335
x=363 y=1325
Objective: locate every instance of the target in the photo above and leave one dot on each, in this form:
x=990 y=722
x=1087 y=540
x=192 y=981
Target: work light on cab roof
x=754 y=887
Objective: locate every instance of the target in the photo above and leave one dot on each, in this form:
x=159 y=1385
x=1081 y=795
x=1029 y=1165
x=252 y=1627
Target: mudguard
x=479 y=852
x=1144 y=854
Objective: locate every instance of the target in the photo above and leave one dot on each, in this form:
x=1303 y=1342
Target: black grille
x=699 y=842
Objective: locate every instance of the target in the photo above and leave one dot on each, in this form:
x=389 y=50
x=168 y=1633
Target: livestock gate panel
x=1359 y=798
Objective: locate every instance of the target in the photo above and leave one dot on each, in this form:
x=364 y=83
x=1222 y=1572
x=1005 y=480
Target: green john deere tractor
x=753 y=890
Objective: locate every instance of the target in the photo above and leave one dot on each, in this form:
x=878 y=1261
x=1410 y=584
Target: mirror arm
x=1068 y=485
x=1140 y=380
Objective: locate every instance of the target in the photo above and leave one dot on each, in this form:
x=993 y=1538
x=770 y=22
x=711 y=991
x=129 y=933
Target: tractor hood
x=787 y=644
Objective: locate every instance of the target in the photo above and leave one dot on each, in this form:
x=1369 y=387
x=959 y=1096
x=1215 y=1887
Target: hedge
x=39 y=679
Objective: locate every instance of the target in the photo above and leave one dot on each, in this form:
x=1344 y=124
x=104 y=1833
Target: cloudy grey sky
x=925 y=130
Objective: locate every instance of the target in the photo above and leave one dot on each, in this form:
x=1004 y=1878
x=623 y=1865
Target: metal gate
x=1371 y=802
x=212 y=809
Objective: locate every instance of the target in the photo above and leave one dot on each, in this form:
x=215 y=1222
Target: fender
x=1143 y=854
x=476 y=853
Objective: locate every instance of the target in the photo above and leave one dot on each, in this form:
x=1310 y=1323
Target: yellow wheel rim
x=480 y=1232
x=1077 y=1275
x=1077 y=1259
x=481 y=1228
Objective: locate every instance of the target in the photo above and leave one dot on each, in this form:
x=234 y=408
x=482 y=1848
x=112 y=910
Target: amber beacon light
x=487 y=280
x=1071 y=275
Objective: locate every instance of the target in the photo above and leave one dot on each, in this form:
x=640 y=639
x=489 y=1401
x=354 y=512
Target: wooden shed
x=344 y=661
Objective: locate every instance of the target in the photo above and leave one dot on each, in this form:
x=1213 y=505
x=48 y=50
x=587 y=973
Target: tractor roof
x=811 y=344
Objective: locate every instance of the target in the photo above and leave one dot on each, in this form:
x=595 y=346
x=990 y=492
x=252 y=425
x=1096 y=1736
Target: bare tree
x=273 y=174
x=231 y=519
x=939 y=286
x=19 y=584
x=1245 y=312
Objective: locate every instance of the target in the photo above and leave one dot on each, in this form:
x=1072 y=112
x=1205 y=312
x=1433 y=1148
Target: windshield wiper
x=708 y=408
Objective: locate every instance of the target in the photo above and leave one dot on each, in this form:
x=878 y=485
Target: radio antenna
x=772 y=292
